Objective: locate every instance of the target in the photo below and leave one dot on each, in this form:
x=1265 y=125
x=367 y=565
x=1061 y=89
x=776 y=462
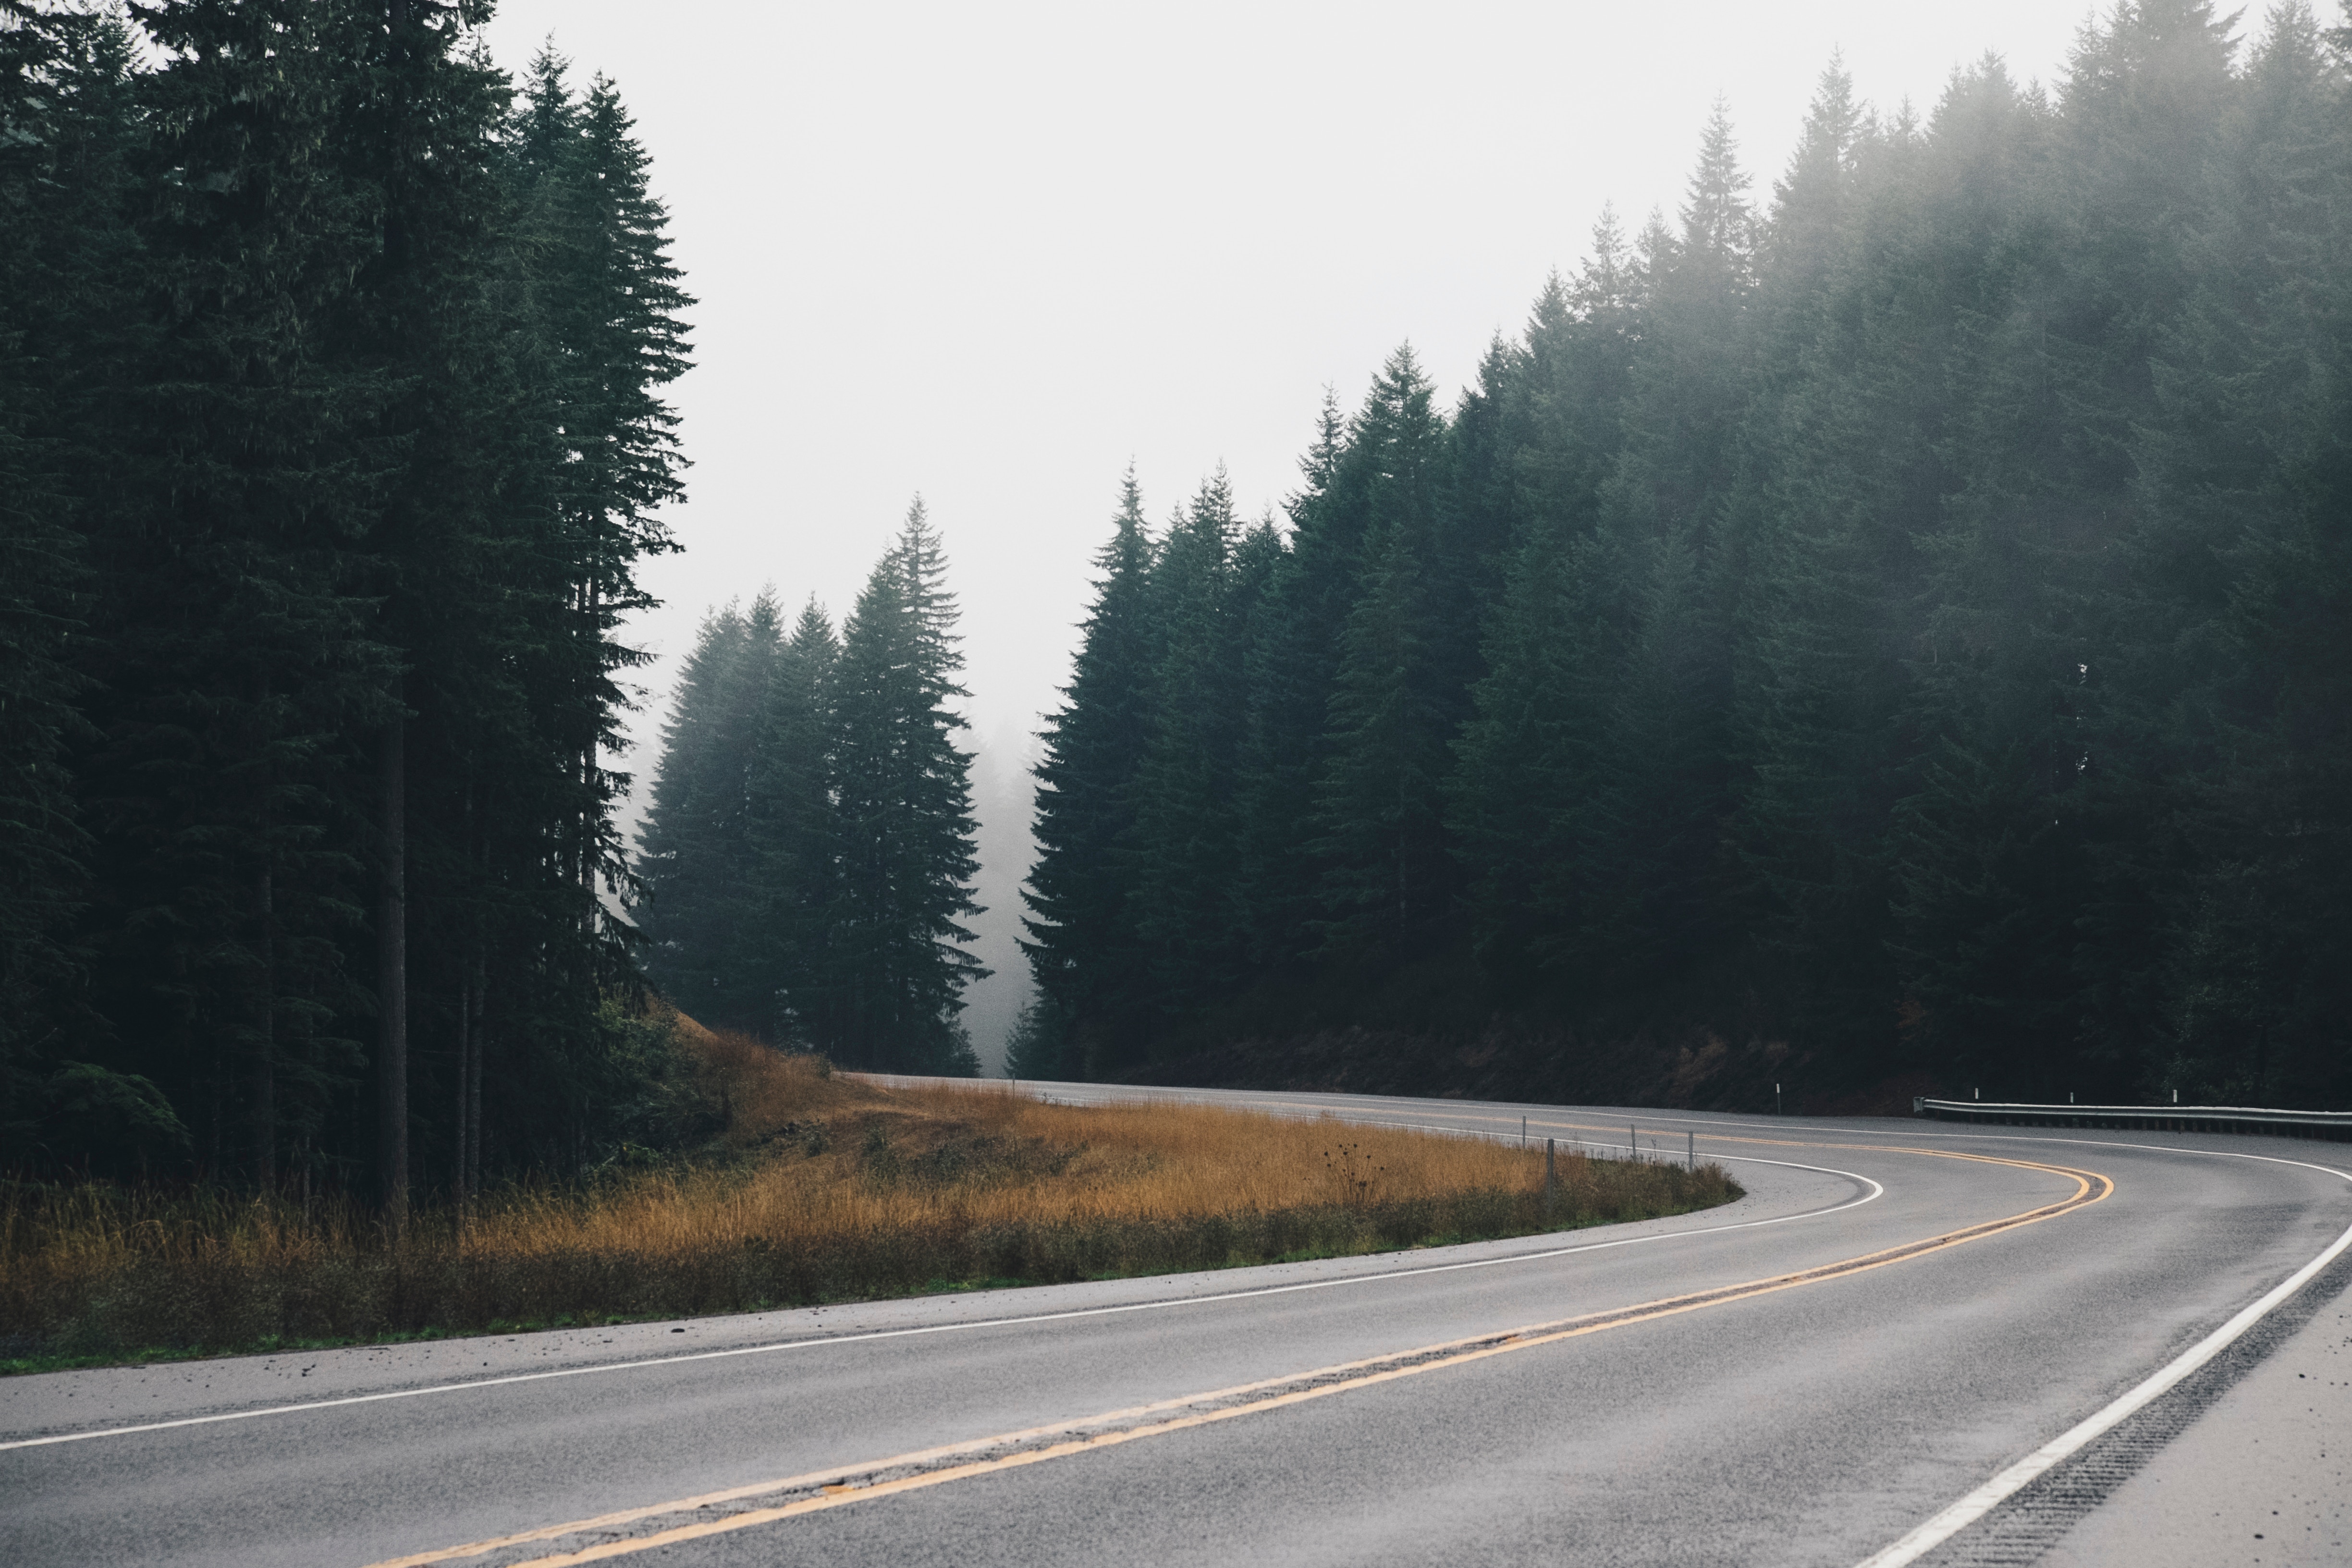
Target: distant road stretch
x=1912 y=1342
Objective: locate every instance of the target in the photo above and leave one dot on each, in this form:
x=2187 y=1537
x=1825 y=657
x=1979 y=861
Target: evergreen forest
x=1884 y=630
x=332 y=439
x=1890 y=629
x=808 y=851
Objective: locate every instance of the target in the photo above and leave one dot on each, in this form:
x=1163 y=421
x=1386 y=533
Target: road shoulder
x=2264 y=1476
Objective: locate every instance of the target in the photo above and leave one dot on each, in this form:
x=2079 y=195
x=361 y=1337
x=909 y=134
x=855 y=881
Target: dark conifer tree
x=1650 y=833
x=703 y=892
x=792 y=837
x=1293 y=670
x=2023 y=691
x=235 y=646
x=1842 y=474
x=594 y=303
x=903 y=821
x=66 y=113
x=341 y=697
x=1082 y=944
x=2238 y=680
x=1530 y=751
x=1397 y=692
x=1187 y=819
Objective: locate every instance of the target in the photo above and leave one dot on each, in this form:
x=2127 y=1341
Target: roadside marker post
x=1551 y=1177
x=1690 y=1155
x=1633 y=1143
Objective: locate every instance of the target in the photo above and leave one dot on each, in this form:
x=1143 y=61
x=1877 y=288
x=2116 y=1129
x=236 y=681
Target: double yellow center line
x=818 y=1491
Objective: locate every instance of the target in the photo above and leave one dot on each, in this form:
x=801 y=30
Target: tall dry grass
x=841 y=1189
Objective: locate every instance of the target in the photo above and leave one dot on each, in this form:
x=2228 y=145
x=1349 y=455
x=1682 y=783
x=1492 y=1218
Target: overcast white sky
x=992 y=253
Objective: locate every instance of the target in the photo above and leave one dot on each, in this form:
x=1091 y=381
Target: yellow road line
x=837 y=1487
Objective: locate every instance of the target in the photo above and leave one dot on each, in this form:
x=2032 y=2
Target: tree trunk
x=265 y=1052
x=216 y=1151
x=391 y=760
x=476 y=997
x=589 y=818
x=465 y=1083
x=391 y=978
x=469 y=1019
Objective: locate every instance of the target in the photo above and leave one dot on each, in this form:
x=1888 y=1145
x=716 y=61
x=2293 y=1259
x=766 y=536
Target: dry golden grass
x=835 y=1189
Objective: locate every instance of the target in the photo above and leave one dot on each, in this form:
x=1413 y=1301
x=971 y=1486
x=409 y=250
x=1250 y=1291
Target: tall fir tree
x=1081 y=941
x=65 y=102
x=699 y=861
x=342 y=707
x=1395 y=698
x=1293 y=670
x=903 y=820
x=790 y=785
x=236 y=648
x=1187 y=825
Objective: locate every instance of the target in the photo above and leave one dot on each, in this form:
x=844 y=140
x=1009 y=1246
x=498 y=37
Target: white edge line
x=1925 y=1537
x=1875 y=1192
x=1959 y=1515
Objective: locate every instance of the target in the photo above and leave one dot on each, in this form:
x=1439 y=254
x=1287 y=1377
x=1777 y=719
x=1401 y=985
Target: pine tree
x=1530 y=750
x=1388 y=871
x=702 y=890
x=904 y=821
x=2026 y=693
x=64 y=102
x=791 y=825
x=437 y=310
x=1842 y=474
x=1186 y=829
x=1082 y=944
x=1292 y=671
x=235 y=650
x=294 y=341
x=1649 y=834
x=1907 y=626
x=593 y=304
x=2239 y=687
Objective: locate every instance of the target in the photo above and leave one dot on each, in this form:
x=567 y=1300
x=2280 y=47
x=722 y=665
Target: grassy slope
x=820 y=1188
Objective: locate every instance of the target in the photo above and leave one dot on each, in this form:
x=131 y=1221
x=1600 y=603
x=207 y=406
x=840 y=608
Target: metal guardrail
x=2330 y=1124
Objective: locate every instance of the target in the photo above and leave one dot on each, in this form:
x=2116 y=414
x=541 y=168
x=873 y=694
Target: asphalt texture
x=1196 y=1419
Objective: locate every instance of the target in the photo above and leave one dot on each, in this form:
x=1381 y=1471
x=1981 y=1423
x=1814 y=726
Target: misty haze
x=1229 y=783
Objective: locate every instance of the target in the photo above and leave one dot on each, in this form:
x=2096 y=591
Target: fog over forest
x=1877 y=623
x=1866 y=631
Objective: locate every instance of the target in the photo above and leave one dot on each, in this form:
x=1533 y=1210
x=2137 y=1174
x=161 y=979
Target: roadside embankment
x=821 y=1188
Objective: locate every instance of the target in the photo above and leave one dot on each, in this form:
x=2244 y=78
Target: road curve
x=1850 y=1364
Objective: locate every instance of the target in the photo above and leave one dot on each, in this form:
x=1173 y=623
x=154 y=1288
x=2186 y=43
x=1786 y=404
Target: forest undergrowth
x=821 y=1187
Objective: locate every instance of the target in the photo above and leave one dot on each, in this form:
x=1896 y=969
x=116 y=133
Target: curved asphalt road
x=1896 y=1312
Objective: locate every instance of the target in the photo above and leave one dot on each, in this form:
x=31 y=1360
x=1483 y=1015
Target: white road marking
x=1950 y=1523
x=1959 y=1515
x=1875 y=1192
